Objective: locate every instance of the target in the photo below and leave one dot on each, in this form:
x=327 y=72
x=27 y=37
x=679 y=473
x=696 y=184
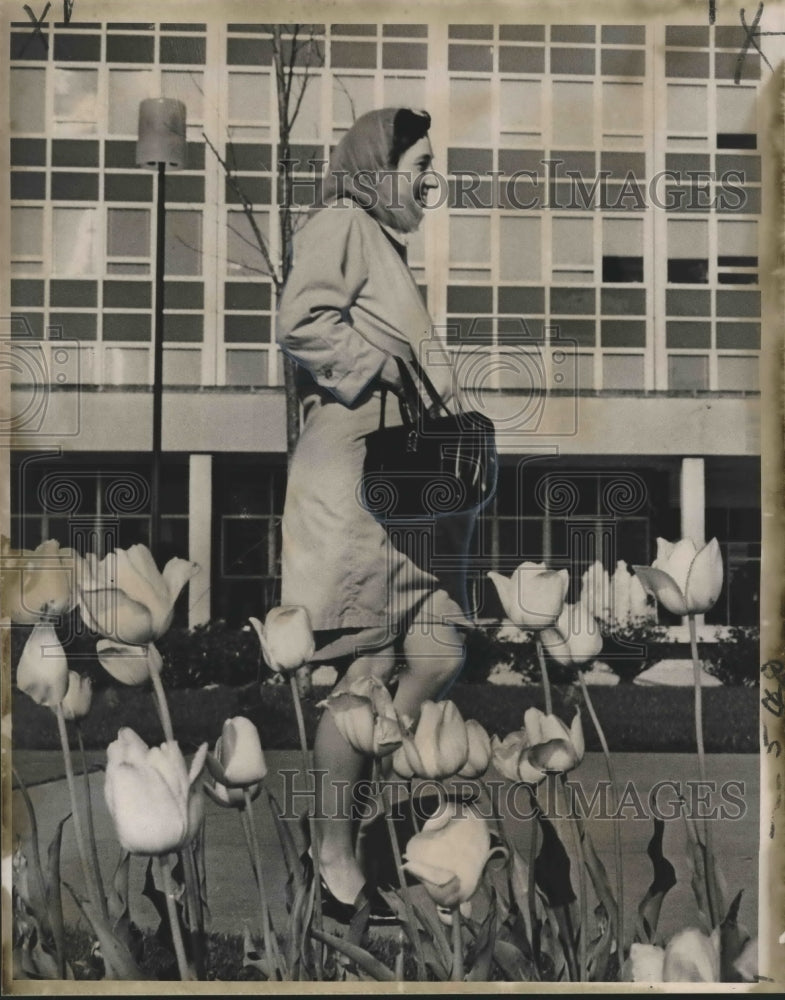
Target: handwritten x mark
x=750 y=33
x=36 y=22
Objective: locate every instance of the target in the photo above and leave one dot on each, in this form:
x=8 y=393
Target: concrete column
x=200 y=534
x=692 y=495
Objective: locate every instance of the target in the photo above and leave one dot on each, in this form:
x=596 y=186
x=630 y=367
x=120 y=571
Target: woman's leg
x=434 y=653
x=344 y=767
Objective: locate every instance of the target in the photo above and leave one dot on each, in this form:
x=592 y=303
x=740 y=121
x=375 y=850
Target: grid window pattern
x=552 y=164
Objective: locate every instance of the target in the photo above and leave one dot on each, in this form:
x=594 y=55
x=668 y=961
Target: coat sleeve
x=314 y=317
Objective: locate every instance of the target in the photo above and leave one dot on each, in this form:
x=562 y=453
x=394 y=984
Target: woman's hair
x=373 y=146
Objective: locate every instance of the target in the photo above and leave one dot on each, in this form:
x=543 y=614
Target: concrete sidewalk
x=231 y=889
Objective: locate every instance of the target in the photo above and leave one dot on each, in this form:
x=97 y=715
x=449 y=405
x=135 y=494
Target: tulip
x=286 y=638
x=78 y=697
x=151 y=795
x=37 y=585
x=439 y=748
x=449 y=854
x=596 y=591
x=124 y=597
x=128 y=664
x=43 y=668
x=533 y=596
x=237 y=763
x=576 y=638
x=630 y=603
x=684 y=579
x=479 y=751
x=544 y=746
x=689 y=957
x=365 y=717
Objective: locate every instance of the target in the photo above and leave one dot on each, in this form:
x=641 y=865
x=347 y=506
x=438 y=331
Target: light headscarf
x=372 y=147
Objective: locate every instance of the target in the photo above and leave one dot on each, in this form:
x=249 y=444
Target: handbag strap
x=410 y=402
x=430 y=388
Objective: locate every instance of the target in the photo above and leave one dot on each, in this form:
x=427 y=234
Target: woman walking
x=350 y=308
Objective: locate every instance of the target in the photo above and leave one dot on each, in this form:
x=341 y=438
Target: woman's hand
x=389 y=376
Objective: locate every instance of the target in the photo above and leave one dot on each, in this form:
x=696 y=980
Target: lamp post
x=160 y=145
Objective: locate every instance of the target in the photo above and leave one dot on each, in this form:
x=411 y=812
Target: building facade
x=593 y=265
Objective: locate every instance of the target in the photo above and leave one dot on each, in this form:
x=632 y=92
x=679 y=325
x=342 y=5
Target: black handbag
x=434 y=464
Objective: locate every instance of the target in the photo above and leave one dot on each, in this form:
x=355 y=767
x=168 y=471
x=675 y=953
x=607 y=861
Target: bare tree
x=296 y=50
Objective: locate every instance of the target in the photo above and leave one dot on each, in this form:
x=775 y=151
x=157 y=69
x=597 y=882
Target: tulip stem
x=270 y=944
x=546 y=684
x=195 y=913
x=412 y=807
x=317 y=875
x=457 y=946
x=697 y=674
x=174 y=921
x=91 y=824
x=163 y=707
x=619 y=862
x=87 y=871
x=407 y=902
x=577 y=846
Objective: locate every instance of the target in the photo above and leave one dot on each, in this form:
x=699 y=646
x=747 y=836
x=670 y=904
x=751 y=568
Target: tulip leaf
x=54 y=895
x=664 y=880
x=513 y=963
x=519 y=879
x=294 y=928
x=733 y=938
x=552 y=867
x=254 y=956
x=483 y=946
x=118 y=960
x=434 y=961
x=290 y=853
x=426 y=911
x=39 y=910
x=363 y=959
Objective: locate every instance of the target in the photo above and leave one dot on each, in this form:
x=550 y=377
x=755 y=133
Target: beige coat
x=351 y=300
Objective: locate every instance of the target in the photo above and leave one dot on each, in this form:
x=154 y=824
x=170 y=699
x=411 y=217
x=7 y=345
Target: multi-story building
x=594 y=264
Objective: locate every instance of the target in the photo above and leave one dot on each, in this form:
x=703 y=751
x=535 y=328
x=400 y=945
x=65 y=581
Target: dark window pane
x=249 y=51
x=130 y=48
x=404 y=56
x=469 y=330
x=128 y=187
x=28 y=185
x=622 y=269
x=740 y=336
x=687 y=372
x=623 y=301
x=513 y=160
x=688 y=270
x=184 y=295
x=693 y=36
x=478 y=160
x=687 y=64
x=28 y=152
x=737 y=278
x=726 y=63
x=682 y=162
x=686 y=334
x=183 y=50
x=619 y=165
x=126 y=326
x=244 y=546
x=737 y=140
x=469 y=299
x=521 y=299
x=572 y=61
x=26 y=292
x=256 y=189
x=623 y=333
x=74 y=153
x=82 y=48
x=742 y=199
x=729 y=260
x=246 y=295
x=470 y=57
x=521 y=331
x=79 y=326
x=239 y=329
x=747 y=166
x=624 y=34
x=185 y=189
x=521 y=59
x=522 y=32
x=405 y=30
x=738 y=303
x=684 y=303
x=582 y=331
x=623 y=62
x=572 y=33
x=183 y=328
x=572 y=300
x=352 y=29
x=27 y=325
x=470 y=31
x=29 y=45
x=120 y=153
x=251 y=156
x=133 y=294
x=73 y=293
x=581 y=164
x=353 y=55
x=76 y=187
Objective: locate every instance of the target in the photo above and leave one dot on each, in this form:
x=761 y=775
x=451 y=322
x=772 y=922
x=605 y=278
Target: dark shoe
x=379 y=913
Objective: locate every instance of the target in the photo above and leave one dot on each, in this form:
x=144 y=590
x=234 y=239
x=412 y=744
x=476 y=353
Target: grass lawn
x=634 y=718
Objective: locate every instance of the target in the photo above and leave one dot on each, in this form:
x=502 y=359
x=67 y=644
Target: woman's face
x=414 y=181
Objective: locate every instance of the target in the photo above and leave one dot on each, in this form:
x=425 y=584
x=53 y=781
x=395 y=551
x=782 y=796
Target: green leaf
x=54 y=896
x=363 y=959
x=118 y=961
x=664 y=880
